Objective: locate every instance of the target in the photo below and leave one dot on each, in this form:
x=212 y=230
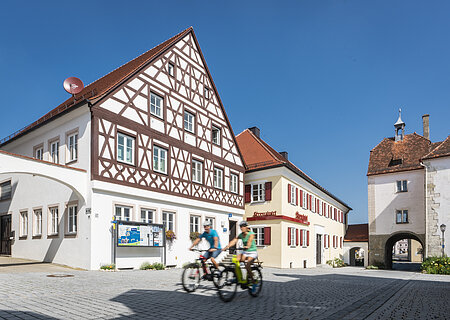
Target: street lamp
x=443 y=244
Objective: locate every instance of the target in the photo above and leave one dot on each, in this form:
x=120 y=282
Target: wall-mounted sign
x=230 y=215
x=262 y=214
x=140 y=235
x=303 y=218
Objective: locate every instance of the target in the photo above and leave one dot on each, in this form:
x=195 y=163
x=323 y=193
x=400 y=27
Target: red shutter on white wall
x=340 y=240
x=328 y=242
x=248 y=190
x=307 y=238
x=296 y=236
x=334 y=242
x=289 y=236
x=268 y=191
x=301 y=198
x=267 y=236
x=324 y=240
x=289 y=193
x=301 y=237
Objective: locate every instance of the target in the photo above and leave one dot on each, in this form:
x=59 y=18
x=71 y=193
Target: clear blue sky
x=322 y=79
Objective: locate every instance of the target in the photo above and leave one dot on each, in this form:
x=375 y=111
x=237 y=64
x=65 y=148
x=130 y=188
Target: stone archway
x=352 y=256
x=393 y=239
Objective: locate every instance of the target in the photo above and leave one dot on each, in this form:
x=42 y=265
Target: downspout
x=426 y=210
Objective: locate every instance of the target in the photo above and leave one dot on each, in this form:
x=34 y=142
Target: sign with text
x=303 y=218
x=264 y=214
x=140 y=235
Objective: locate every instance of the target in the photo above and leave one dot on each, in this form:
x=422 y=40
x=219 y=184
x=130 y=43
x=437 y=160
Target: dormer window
x=171 y=69
x=395 y=162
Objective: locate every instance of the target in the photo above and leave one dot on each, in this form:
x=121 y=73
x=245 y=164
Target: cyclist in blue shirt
x=214 y=244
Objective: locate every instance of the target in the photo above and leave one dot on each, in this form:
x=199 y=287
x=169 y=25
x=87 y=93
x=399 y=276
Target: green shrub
x=436 y=265
x=153 y=266
x=336 y=263
x=158 y=266
x=111 y=266
x=146 y=266
x=372 y=267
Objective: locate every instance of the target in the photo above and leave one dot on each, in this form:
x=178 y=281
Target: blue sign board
x=230 y=215
x=224 y=229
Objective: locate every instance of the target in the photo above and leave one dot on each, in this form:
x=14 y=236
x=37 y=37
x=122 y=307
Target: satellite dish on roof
x=73 y=85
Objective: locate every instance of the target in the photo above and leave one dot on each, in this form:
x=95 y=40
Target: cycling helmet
x=243 y=224
x=207 y=223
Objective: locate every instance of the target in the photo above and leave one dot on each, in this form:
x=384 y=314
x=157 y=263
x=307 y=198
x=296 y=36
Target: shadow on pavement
x=10 y=314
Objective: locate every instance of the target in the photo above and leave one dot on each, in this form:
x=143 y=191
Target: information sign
x=140 y=235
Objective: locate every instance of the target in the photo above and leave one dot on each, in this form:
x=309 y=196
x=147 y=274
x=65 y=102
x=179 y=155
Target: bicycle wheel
x=191 y=277
x=227 y=284
x=255 y=288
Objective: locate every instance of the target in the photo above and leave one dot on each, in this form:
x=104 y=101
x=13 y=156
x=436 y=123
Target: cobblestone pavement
x=346 y=293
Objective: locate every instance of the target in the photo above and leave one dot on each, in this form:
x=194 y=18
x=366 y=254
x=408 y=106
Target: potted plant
x=170 y=235
x=194 y=235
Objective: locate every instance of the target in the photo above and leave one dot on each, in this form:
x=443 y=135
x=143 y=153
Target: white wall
x=385 y=200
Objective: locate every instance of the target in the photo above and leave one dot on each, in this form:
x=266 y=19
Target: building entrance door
x=5 y=234
x=319 y=249
x=232 y=233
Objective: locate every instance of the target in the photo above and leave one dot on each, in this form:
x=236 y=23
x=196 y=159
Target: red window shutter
x=307 y=238
x=268 y=187
x=296 y=236
x=267 y=236
x=289 y=236
x=340 y=240
x=334 y=242
x=301 y=198
x=328 y=242
x=289 y=193
x=324 y=240
x=248 y=190
x=301 y=237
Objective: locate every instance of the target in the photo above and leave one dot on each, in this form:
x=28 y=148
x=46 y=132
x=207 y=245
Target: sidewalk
x=16 y=265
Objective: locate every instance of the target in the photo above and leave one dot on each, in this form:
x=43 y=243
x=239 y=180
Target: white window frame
x=5 y=190
x=259 y=235
x=54 y=151
x=305 y=200
x=189 y=121
x=39 y=153
x=53 y=220
x=293 y=237
x=72 y=218
x=234 y=183
x=305 y=238
x=194 y=223
x=402 y=185
x=218 y=178
x=197 y=171
x=72 y=147
x=218 y=137
x=158 y=153
x=37 y=222
x=293 y=194
x=168 y=219
x=207 y=92
x=23 y=223
x=147 y=215
x=125 y=148
x=212 y=220
x=313 y=203
x=260 y=192
x=120 y=214
x=156 y=104
x=171 y=69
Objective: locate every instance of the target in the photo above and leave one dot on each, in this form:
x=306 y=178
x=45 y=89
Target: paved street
x=347 y=293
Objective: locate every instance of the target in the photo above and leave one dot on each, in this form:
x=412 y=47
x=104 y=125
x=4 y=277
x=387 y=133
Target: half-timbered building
x=153 y=143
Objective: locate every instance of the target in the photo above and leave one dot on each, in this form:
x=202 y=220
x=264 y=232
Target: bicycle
x=196 y=271
x=231 y=276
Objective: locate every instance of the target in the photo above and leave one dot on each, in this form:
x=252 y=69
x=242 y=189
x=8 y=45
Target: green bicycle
x=231 y=276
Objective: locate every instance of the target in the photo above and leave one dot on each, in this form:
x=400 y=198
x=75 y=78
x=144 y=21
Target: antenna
x=73 y=85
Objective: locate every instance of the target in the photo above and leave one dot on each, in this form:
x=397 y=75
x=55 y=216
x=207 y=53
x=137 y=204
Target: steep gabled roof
x=395 y=156
x=441 y=150
x=258 y=155
x=102 y=86
x=357 y=232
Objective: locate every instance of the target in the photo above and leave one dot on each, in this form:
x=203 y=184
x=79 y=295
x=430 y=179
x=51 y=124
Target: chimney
x=284 y=154
x=255 y=131
x=426 y=126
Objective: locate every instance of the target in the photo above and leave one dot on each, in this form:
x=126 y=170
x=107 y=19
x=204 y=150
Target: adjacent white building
x=149 y=142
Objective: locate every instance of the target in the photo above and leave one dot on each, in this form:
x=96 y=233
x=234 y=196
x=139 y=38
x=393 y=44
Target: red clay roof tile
x=357 y=232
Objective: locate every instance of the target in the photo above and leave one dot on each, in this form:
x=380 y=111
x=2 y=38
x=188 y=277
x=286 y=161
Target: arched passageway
x=357 y=256
x=389 y=246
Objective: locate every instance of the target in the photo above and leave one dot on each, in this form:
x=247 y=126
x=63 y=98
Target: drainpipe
x=424 y=250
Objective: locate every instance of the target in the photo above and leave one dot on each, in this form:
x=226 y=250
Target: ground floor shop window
x=123 y=213
x=169 y=220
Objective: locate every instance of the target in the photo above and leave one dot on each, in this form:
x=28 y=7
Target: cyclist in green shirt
x=249 y=254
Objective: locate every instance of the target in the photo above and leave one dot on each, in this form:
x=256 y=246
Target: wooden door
x=319 y=249
x=5 y=234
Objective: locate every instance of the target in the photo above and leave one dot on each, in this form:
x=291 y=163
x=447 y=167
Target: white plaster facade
x=348 y=245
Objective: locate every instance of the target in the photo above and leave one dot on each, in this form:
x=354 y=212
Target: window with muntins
x=292 y=236
x=305 y=238
x=215 y=135
x=24 y=223
x=189 y=120
x=258 y=192
x=195 y=224
x=234 y=183
x=54 y=152
x=39 y=153
x=156 y=103
x=73 y=147
x=218 y=178
x=402 y=186
x=37 y=222
x=72 y=218
x=125 y=148
x=123 y=213
x=197 y=171
x=5 y=190
x=171 y=69
x=159 y=159
x=401 y=216
x=169 y=220
x=54 y=220
x=259 y=235
x=293 y=195
x=304 y=202
x=212 y=221
x=147 y=215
